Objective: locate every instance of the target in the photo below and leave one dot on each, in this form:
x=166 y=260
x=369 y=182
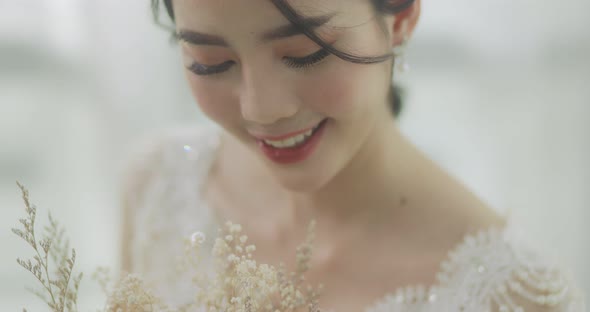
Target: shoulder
x=167 y=153
x=501 y=269
x=537 y=281
x=171 y=147
x=168 y=145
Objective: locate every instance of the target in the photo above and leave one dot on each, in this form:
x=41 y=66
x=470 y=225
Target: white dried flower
x=235 y=228
x=198 y=238
x=243 y=239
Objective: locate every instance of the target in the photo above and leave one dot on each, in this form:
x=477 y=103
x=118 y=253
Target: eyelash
x=293 y=62
x=307 y=61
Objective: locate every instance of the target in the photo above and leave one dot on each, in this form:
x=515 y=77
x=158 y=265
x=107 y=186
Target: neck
x=373 y=186
x=389 y=193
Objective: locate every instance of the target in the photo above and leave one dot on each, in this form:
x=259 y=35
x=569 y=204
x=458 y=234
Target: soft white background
x=498 y=94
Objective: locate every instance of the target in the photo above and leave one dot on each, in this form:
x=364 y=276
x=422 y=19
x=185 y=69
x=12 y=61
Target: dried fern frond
x=59 y=289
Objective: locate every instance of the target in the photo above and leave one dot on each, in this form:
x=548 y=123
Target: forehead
x=258 y=15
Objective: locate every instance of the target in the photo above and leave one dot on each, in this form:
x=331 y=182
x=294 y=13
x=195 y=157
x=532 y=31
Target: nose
x=266 y=98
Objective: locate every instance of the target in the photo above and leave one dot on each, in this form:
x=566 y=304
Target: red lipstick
x=295 y=154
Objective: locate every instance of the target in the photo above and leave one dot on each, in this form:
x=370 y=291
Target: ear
x=405 y=23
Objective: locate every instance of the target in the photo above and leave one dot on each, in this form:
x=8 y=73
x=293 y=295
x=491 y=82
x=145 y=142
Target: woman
x=302 y=92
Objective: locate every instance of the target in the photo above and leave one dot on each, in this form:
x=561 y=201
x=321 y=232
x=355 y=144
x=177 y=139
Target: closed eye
x=205 y=70
x=307 y=61
x=293 y=62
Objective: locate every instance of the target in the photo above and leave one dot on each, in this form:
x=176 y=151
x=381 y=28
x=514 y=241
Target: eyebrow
x=285 y=31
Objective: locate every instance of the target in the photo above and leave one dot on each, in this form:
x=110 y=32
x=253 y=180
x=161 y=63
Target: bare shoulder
x=159 y=157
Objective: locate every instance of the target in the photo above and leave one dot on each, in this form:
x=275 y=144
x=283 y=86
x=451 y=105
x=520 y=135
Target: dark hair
x=381 y=6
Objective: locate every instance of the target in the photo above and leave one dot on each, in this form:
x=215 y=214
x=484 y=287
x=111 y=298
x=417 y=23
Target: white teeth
x=289 y=142
x=292 y=141
x=300 y=138
x=274 y=144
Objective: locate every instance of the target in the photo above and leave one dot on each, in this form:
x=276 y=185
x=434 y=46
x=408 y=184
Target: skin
x=371 y=191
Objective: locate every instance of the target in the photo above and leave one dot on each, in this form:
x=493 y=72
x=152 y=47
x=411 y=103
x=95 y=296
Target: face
x=269 y=90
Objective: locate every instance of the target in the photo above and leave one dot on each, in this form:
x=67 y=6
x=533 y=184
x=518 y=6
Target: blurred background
x=498 y=94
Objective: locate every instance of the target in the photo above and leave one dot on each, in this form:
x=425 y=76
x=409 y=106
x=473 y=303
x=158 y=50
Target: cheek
x=333 y=95
x=213 y=99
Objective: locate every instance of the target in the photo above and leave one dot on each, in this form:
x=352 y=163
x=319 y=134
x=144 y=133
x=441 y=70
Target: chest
x=354 y=275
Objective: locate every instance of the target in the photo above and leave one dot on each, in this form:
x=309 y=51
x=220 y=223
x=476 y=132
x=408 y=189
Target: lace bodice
x=494 y=270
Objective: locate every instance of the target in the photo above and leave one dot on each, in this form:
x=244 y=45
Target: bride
x=301 y=96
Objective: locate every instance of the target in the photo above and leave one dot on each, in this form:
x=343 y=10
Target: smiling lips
x=291 y=139
x=293 y=147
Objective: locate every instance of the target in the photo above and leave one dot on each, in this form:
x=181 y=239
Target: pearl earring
x=400 y=62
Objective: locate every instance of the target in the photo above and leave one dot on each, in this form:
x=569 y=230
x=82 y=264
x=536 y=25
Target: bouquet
x=238 y=283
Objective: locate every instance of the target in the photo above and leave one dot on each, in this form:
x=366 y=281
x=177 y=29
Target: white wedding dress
x=491 y=271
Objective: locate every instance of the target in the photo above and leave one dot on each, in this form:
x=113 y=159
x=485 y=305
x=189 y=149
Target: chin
x=309 y=181
x=329 y=156
x=310 y=176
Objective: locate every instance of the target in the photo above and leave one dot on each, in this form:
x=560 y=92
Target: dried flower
x=198 y=238
x=60 y=289
x=239 y=284
x=130 y=294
